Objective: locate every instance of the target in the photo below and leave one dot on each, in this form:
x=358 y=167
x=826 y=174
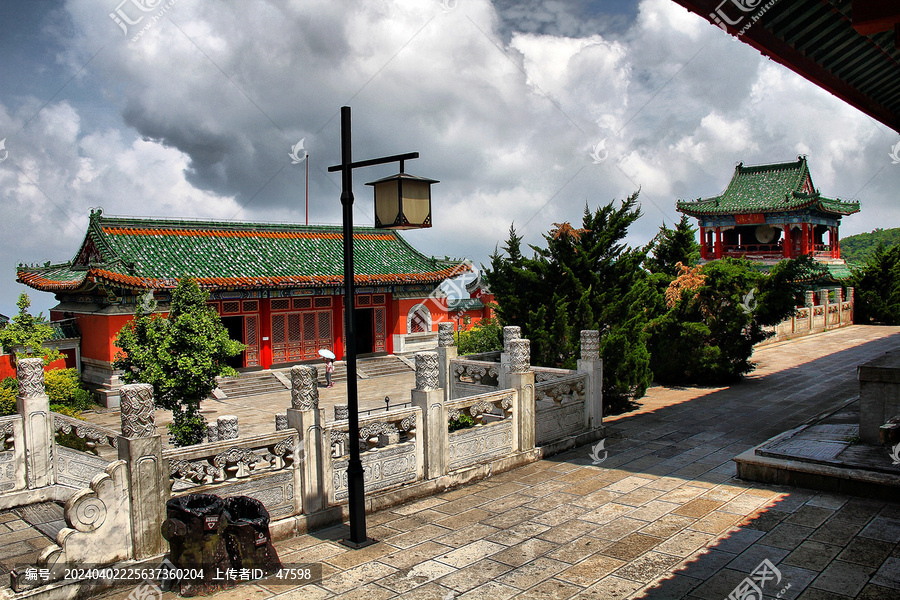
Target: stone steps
x=251 y=384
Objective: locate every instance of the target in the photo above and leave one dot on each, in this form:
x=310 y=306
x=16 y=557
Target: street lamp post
x=355 y=483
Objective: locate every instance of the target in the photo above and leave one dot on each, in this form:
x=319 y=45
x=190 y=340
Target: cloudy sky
x=190 y=108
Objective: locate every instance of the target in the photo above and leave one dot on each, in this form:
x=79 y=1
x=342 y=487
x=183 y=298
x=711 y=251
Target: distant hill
x=856 y=248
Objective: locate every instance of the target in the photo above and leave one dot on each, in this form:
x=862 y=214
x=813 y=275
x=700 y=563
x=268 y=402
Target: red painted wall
x=8 y=366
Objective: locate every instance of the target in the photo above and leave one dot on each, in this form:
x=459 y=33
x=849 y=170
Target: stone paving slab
x=663 y=518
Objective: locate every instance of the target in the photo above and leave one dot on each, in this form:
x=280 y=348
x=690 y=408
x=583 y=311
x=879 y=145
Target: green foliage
x=585 y=278
x=708 y=335
x=877 y=287
x=64 y=389
x=28 y=332
x=463 y=422
x=180 y=356
x=673 y=246
x=7 y=400
x=487 y=336
x=857 y=248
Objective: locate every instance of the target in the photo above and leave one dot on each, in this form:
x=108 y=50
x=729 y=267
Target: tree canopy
x=29 y=333
x=877 y=287
x=180 y=356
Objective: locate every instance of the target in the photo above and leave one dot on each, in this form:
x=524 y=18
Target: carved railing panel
x=477 y=372
x=492 y=435
x=375 y=431
x=542 y=374
x=223 y=461
x=92 y=434
x=12 y=454
x=390 y=451
x=570 y=388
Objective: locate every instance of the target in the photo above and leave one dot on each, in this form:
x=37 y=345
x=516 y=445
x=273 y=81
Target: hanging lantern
x=402 y=201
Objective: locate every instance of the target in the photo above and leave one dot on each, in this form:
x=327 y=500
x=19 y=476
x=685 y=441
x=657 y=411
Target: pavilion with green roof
x=278 y=287
x=770 y=212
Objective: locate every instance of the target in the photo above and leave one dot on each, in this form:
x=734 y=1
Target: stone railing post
x=521 y=377
x=851 y=301
x=34 y=406
x=810 y=300
x=430 y=399
x=447 y=351
x=148 y=476
x=305 y=416
x=227 y=427
x=591 y=363
x=823 y=296
x=510 y=333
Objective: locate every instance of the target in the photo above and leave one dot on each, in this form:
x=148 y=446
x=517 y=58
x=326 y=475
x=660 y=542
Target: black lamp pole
x=355 y=484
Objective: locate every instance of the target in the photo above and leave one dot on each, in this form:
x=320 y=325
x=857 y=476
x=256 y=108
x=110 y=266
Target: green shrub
x=64 y=388
x=463 y=422
x=486 y=337
x=7 y=400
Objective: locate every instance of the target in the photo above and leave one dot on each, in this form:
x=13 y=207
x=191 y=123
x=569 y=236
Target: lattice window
x=215 y=306
x=281 y=304
x=323 y=302
x=250 y=331
x=418 y=320
x=325 y=325
x=309 y=327
x=378 y=299
x=379 y=322
x=294 y=333
x=231 y=307
x=277 y=329
x=364 y=300
x=250 y=306
x=302 y=303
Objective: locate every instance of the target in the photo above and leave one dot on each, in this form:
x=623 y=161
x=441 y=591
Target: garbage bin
x=247 y=536
x=195 y=530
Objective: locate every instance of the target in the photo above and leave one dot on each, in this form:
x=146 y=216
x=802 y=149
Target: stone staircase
x=266 y=382
x=251 y=384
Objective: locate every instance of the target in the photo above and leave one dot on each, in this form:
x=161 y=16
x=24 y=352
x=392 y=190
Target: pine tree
x=29 y=333
x=673 y=246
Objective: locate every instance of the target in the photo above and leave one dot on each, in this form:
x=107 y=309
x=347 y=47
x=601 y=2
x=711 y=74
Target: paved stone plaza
x=660 y=517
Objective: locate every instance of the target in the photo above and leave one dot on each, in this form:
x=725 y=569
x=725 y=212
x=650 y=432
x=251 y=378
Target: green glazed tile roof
x=154 y=253
x=777 y=187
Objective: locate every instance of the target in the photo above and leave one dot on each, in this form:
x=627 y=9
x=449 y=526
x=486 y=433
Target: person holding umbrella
x=329 y=357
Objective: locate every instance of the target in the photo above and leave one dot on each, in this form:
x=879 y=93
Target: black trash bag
x=247 y=536
x=195 y=529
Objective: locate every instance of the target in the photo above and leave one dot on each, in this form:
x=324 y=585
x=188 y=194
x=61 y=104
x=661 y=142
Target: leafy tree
x=30 y=333
x=877 y=287
x=65 y=392
x=717 y=313
x=673 y=246
x=582 y=278
x=180 y=356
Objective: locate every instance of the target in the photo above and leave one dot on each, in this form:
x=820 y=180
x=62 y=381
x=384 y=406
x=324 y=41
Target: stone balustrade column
x=34 y=406
x=140 y=446
x=429 y=398
x=228 y=427
x=823 y=296
x=810 y=300
x=447 y=351
x=510 y=332
x=281 y=422
x=591 y=363
x=850 y=299
x=306 y=417
x=521 y=377
x=212 y=432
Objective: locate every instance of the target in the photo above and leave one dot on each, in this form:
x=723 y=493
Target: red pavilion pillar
x=804 y=244
x=718 y=249
x=786 y=240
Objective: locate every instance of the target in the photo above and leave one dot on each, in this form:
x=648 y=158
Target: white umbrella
x=326 y=353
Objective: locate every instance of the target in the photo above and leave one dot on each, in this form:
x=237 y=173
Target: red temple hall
x=277 y=287
x=770 y=212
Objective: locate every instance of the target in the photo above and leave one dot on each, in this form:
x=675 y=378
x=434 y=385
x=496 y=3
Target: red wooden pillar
x=703 y=249
x=265 y=332
x=835 y=243
x=718 y=249
x=804 y=244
